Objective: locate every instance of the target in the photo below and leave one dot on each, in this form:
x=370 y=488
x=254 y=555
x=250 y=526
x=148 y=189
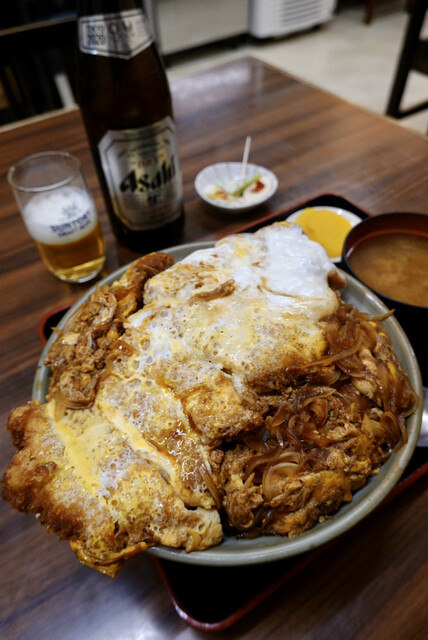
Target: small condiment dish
x=352 y=218
x=225 y=176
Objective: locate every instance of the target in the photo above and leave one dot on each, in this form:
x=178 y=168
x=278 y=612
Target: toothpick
x=245 y=159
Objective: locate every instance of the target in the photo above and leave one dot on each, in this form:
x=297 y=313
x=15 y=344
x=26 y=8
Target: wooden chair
x=370 y=10
x=413 y=57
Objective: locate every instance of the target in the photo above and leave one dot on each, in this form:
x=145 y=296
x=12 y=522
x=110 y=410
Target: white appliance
x=274 y=18
x=182 y=24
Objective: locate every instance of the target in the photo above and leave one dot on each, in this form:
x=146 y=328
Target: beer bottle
x=127 y=110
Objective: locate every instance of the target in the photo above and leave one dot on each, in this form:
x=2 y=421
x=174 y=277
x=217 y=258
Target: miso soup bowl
x=413 y=318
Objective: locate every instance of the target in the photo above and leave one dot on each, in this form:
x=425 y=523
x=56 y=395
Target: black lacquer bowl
x=413 y=318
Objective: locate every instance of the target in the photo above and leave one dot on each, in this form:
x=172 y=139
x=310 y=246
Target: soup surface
x=395 y=264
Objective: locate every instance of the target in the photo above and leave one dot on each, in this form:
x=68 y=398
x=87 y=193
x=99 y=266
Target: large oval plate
x=233 y=551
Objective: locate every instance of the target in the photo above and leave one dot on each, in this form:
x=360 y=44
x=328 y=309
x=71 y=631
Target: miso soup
x=395 y=265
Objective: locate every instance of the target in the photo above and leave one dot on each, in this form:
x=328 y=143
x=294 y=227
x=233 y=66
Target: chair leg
x=406 y=57
x=370 y=7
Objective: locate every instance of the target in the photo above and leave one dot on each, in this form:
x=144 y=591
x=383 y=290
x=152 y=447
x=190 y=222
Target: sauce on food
x=236 y=194
x=395 y=264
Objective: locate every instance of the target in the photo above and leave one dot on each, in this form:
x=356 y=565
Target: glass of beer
x=59 y=213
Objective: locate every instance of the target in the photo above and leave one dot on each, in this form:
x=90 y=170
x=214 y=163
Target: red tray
x=215 y=603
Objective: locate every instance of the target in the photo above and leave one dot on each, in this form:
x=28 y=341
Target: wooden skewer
x=245 y=159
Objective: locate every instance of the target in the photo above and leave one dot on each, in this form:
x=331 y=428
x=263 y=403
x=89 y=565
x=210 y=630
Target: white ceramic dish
x=351 y=217
x=233 y=551
x=223 y=174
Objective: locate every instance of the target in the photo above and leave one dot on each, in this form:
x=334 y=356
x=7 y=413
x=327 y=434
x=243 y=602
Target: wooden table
x=370 y=584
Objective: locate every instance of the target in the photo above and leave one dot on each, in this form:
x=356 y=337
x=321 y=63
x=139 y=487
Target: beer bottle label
x=117 y=35
x=142 y=174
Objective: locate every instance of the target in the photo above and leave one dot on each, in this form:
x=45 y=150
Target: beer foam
x=61 y=216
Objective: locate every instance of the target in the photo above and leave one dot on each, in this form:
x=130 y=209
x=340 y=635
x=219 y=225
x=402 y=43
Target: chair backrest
x=413 y=57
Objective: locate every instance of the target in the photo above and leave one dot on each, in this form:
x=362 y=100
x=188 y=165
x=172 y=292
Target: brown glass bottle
x=126 y=106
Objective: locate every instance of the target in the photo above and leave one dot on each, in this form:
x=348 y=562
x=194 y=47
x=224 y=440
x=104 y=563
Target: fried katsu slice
x=98 y=482
x=79 y=356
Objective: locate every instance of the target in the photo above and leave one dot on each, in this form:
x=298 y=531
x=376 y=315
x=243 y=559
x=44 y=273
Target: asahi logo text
x=151 y=182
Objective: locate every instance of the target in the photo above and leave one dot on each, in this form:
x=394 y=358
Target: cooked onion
x=384 y=316
x=344 y=352
x=270 y=485
x=296 y=440
x=393 y=428
x=370 y=336
x=264 y=459
x=211 y=485
x=384 y=386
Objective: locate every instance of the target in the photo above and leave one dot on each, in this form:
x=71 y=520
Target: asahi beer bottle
x=126 y=107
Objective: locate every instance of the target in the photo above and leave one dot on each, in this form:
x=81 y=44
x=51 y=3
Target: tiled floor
x=345 y=56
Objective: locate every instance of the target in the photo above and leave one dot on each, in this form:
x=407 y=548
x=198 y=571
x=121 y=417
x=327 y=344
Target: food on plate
x=233 y=389
x=395 y=264
x=326 y=227
x=240 y=193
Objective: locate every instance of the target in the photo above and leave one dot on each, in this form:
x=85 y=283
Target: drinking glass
x=59 y=213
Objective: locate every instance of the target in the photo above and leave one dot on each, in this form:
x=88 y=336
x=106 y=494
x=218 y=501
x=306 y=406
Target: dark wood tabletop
x=372 y=583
